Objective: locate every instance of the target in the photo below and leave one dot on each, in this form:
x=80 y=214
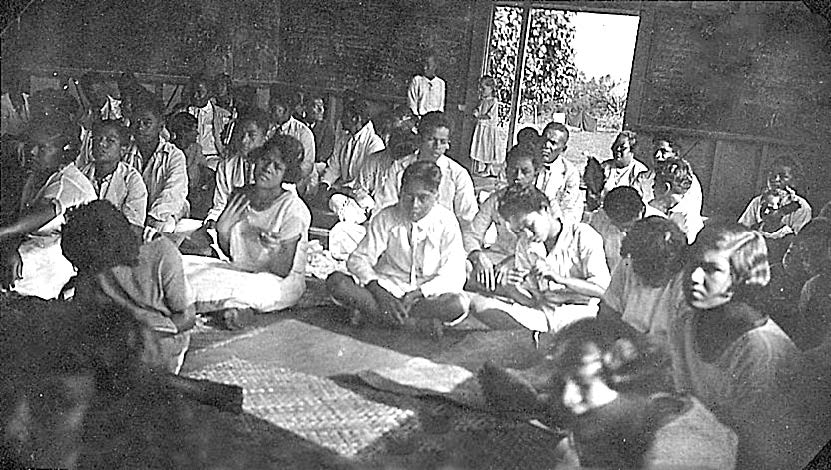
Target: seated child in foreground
x=411 y=263
x=145 y=279
x=556 y=263
x=263 y=230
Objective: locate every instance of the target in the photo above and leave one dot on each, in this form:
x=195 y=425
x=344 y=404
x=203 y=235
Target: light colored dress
x=248 y=280
x=486 y=146
x=45 y=269
x=645 y=308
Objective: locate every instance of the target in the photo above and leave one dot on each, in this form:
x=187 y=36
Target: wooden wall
x=737 y=84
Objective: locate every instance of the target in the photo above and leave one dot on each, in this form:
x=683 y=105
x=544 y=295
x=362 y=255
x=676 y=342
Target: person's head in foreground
x=658 y=249
x=434 y=135
x=419 y=189
x=604 y=384
x=727 y=262
x=97 y=236
x=528 y=213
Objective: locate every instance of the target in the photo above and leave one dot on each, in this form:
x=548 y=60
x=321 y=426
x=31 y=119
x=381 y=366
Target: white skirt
x=219 y=285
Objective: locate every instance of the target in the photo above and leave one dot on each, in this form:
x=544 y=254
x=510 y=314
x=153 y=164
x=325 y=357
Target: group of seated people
x=100 y=206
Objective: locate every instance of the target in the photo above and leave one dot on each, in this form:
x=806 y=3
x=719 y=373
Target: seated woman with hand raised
x=263 y=233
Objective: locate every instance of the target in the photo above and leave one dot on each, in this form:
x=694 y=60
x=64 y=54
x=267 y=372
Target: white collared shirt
x=403 y=255
x=345 y=164
x=165 y=174
x=560 y=181
x=578 y=253
x=455 y=189
x=205 y=119
x=425 y=95
x=124 y=188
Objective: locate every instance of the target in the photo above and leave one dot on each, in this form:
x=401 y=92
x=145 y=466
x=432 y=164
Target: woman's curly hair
x=97 y=236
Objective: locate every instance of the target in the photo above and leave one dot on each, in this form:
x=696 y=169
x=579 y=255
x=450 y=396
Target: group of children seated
x=101 y=205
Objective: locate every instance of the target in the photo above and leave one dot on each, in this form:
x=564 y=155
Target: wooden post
x=519 y=73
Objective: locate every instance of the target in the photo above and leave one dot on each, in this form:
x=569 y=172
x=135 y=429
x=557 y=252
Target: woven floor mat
x=380 y=428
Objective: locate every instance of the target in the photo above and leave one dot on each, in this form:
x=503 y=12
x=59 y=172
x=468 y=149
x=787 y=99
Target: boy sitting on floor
x=556 y=264
x=411 y=263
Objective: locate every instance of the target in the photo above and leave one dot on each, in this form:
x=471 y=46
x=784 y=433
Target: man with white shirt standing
x=426 y=91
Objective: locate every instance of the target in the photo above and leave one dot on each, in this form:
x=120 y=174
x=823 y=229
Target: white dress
x=486 y=146
x=45 y=269
x=248 y=280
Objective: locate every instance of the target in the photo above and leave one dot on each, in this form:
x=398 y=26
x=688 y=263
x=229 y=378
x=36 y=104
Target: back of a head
x=623 y=204
x=182 y=122
x=528 y=136
x=97 y=236
x=658 y=249
x=675 y=174
x=279 y=95
x=402 y=142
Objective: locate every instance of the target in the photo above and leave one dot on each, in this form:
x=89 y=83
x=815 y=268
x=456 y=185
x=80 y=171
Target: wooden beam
x=717 y=135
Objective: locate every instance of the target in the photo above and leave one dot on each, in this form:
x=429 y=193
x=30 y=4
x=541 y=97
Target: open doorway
x=576 y=67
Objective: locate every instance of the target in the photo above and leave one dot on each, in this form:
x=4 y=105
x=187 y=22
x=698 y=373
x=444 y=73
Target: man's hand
x=411 y=298
x=392 y=309
x=483 y=270
x=515 y=276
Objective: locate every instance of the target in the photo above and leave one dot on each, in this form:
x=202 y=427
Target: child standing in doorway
x=486 y=151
